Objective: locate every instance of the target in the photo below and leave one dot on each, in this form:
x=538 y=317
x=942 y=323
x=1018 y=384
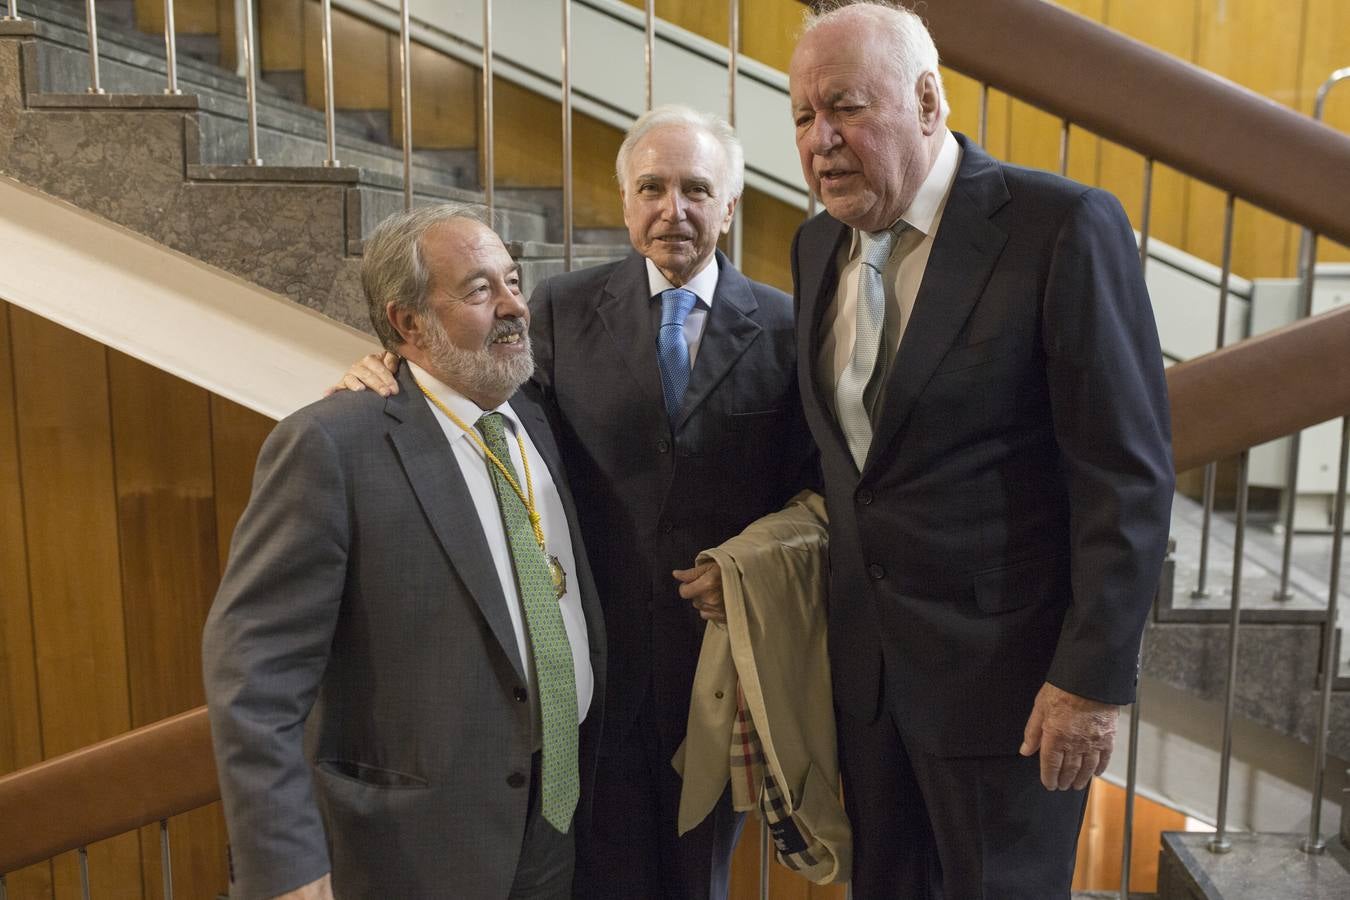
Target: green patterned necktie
x=555 y=678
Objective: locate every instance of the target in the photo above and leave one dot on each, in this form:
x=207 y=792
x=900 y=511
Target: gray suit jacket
x=365 y=689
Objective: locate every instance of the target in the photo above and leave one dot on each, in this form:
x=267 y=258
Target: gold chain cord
x=526 y=499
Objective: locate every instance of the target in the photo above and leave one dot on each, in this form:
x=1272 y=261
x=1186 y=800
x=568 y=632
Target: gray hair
x=915 y=52
x=674 y=114
x=394 y=268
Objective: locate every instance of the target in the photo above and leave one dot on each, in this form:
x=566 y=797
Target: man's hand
x=1073 y=734
x=375 y=371
x=702 y=586
x=322 y=889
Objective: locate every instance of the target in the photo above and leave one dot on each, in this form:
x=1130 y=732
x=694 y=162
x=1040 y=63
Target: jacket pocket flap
x=1013 y=587
x=372 y=776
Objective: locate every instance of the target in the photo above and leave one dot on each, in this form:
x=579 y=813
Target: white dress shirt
x=473 y=465
x=902 y=276
x=704 y=285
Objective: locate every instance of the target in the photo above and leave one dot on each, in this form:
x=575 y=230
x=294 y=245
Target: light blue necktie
x=672 y=350
x=851 y=392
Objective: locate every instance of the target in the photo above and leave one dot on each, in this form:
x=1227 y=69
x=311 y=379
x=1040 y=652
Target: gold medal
x=559 y=574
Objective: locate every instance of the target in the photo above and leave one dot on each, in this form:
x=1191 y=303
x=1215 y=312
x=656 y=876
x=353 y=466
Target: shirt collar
x=923 y=211
x=704 y=284
x=468 y=411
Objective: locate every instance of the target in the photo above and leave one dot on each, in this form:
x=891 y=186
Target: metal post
x=489 y=132
x=983 y=134
x=4 y=893
x=811 y=204
x=170 y=51
x=1131 y=785
x=84 y=872
x=1219 y=843
x=329 y=115
x=405 y=98
x=1146 y=215
x=567 y=132
x=95 y=87
x=734 y=240
x=1307 y=257
x=1211 y=469
x=1313 y=843
x=649 y=49
x=251 y=85
x=1064 y=148
x=165 y=860
x=11 y=16
x=763 y=860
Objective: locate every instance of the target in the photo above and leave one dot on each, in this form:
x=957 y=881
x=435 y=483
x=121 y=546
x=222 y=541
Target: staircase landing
x=1259 y=867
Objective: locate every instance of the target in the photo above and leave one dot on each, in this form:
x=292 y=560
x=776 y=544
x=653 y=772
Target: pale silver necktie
x=850 y=393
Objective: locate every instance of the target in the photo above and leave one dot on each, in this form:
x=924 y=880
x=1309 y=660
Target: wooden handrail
x=106 y=789
x=1153 y=103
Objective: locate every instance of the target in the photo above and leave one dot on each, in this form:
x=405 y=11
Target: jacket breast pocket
x=1014 y=586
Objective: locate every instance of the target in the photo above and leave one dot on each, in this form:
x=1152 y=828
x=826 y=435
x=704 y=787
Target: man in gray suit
x=407 y=634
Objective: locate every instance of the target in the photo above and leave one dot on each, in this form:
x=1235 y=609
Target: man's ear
x=405 y=322
x=731 y=214
x=929 y=98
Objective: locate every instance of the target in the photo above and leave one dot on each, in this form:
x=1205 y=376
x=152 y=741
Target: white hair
x=677 y=115
x=915 y=54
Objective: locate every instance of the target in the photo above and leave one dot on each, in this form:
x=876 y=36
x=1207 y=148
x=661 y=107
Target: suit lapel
x=730 y=329
x=963 y=256
x=626 y=314
x=819 y=276
x=441 y=491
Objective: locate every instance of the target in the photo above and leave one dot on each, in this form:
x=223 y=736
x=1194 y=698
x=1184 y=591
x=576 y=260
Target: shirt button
x=865 y=498
x=520 y=695
x=876 y=571
x=515 y=780
x=662 y=446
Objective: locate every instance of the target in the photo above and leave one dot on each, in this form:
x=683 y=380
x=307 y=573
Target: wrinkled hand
x=1073 y=734
x=702 y=586
x=375 y=371
x=321 y=889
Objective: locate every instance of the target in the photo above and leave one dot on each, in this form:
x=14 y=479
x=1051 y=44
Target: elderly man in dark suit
x=673 y=381
x=980 y=368
x=408 y=593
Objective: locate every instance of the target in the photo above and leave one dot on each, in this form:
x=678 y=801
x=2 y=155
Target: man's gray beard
x=478 y=372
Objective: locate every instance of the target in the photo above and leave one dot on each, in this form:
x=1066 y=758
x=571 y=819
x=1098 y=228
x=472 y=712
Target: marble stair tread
x=40 y=100
x=1258 y=867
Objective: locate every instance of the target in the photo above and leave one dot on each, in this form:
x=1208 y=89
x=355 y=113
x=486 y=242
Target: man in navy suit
x=980 y=367
x=676 y=431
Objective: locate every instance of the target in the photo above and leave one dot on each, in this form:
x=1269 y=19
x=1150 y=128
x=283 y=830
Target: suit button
x=865 y=498
x=520 y=695
x=876 y=571
x=667 y=527
x=515 y=780
x=663 y=446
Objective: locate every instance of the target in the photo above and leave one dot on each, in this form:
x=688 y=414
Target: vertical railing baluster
x=982 y=136
x=251 y=84
x=165 y=859
x=1131 y=787
x=11 y=16
x=1331 y=664
x=734 y=240
x=1211 y=469
x=1147 y=215
x=84 y=872
x=405 y=97
x=1219 y=843
x=329 y=112
x=763 y=860
x=811 y=204
x=1064 y=148
x=649 y=50
x=91 y=23
x=567 y=132
x=4 y=892
x=489 y=178
x=170 y=49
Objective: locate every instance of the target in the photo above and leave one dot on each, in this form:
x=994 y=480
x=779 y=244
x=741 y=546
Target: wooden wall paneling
x=769 y=30
x=1101 y=840
x=1326 y=48
x=20 y=720
x=361 y=61
x=281 y=32
x=189 y=16
x=445 y=99
x=963 y=99
x=70 y=511
x=707 y=18
x=1258 y=46
x=769 y=225
x=1033 y=137
x=161 y=428
x=237 y=433
x=229 y=52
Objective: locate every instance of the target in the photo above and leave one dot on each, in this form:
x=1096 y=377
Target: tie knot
x=877 y=245
x=492 y=427
x=675 y=305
